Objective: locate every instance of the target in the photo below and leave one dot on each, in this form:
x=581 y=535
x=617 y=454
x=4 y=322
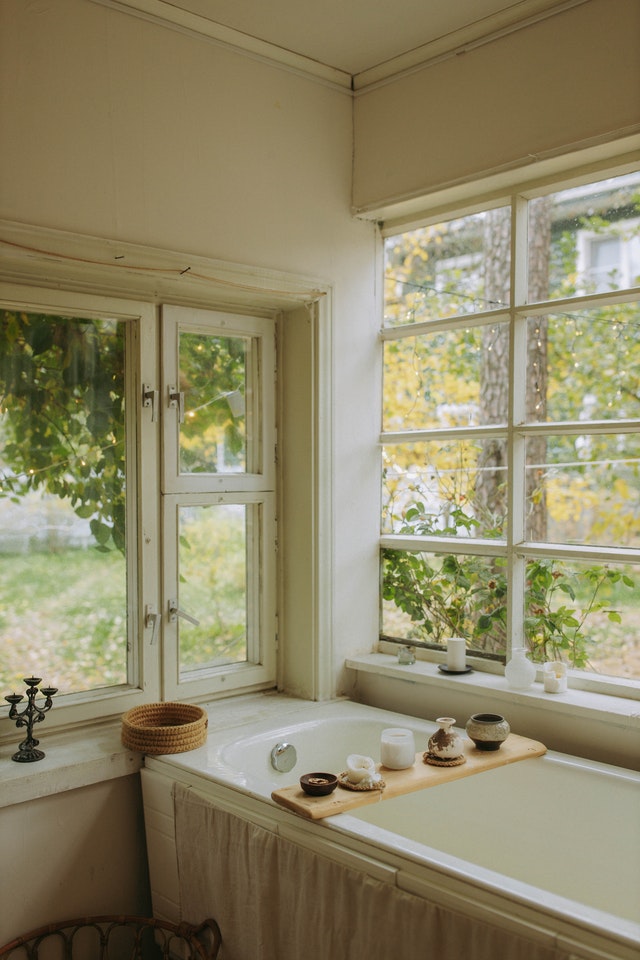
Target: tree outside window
x=511 y=429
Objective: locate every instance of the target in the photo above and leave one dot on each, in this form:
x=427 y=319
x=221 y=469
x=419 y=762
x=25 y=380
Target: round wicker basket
x=164 y=727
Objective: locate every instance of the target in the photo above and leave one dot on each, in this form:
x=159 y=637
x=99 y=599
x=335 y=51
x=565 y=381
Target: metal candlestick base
x=32 y=713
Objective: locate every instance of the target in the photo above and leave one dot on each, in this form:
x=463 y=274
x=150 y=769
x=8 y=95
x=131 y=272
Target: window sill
x=574 y=704
x=71 y=760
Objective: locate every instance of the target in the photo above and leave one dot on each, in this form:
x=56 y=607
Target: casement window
x=511 y=429
x=137 y=499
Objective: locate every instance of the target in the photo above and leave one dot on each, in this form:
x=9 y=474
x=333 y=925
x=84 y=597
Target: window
x=511 y=429
x=218 y=494
x=137 y=508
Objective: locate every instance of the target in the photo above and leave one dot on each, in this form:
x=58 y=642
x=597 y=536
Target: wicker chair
x=117 y=938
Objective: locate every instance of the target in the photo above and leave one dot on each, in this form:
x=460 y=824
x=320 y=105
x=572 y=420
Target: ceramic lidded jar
x=445 y=743
x=487 y=730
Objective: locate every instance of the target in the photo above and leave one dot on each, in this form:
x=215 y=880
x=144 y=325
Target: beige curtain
x=275 y=900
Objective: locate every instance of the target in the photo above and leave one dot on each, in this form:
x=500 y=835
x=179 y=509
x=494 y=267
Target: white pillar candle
x=360 y=768
x=397 y=748
x=456 y=653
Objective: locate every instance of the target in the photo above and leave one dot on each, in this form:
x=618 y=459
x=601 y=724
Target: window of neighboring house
x=511 y=430
x=113 y=482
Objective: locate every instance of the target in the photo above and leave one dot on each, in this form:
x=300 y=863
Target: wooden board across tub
x=417 y=777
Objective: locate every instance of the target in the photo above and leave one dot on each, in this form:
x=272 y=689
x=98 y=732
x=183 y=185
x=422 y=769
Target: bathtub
x=546 y=850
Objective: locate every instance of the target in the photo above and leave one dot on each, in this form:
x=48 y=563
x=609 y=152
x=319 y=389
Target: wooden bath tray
x=418 y=777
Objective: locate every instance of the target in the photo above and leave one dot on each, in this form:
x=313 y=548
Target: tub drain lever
x=283 y=757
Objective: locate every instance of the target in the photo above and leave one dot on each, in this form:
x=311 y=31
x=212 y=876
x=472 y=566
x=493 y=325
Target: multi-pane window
x=137 y=489
x=218 y=495
x=511 y=429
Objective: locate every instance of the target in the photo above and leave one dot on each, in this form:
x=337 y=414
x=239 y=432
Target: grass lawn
x=63 y=618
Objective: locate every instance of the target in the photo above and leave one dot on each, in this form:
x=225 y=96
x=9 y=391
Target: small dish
x=443 y=668
x=318 y=784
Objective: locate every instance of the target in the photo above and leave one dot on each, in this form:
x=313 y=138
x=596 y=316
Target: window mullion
x=516 y=452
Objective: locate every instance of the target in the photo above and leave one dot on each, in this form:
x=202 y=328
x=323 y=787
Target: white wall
x=118 y=128
x=73 y=854
x=557 y=86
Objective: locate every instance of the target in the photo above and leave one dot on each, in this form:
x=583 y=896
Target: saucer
x=443 y=668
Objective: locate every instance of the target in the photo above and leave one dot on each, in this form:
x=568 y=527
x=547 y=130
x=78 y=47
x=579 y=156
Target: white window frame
x=53 y=269
x=142 y=511
x=254 y=487
x=515 y=431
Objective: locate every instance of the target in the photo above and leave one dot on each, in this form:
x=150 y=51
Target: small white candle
x=360 y=768
x=397 y=748
x=456 y=653
x=554 y=676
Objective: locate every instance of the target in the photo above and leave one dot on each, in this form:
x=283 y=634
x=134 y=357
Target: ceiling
x=356 y=36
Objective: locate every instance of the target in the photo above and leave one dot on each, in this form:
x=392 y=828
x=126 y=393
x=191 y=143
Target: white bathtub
x=546 y=847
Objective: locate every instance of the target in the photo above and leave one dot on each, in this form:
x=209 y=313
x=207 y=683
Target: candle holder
x=32 y=713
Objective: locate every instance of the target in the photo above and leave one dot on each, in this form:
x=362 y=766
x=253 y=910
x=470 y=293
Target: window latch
x=151 y=621
x=175 y=612
x=150 y=399
x=176 y=402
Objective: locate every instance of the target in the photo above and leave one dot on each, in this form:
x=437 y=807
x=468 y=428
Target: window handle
x=175 y=612
x=152 y=620
x=176 y=401
x=150 y=399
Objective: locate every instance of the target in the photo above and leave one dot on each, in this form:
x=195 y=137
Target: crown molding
x=182 y=21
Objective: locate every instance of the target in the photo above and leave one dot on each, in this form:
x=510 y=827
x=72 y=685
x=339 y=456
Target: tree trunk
x=491 y=487
x=537 y=375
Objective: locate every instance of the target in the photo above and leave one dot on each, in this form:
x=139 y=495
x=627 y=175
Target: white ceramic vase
x=520 y=672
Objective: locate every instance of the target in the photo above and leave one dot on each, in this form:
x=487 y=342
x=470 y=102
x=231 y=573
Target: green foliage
x=585 y=487
x=559 y=604
x=212 y=368
x=63 y=423
x=448 y=596
x=465 y=596
x=213 y=585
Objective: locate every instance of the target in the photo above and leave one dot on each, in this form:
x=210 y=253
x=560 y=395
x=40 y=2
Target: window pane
x=586 y=239
x=429 y=598
x=452 y=268
x=213 y=585
x=213 y=378
x=449 y=378
x=586 y=365
x=584 y=489
x=586 y=614
x=454 y=489
x=63 y=570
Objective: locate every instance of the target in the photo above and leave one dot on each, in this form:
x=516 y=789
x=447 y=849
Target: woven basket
x=135 y=938
x=164 y=727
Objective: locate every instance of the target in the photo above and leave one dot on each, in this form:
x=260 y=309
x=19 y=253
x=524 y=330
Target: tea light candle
x=397 y=748
x=554 y=675
x=457 y=653
x=360 y=768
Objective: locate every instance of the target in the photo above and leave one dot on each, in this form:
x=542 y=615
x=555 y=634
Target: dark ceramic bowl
x=487 y=730
x=318 y=784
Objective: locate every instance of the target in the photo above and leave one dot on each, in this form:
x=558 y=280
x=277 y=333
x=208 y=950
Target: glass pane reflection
x=213 y=378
